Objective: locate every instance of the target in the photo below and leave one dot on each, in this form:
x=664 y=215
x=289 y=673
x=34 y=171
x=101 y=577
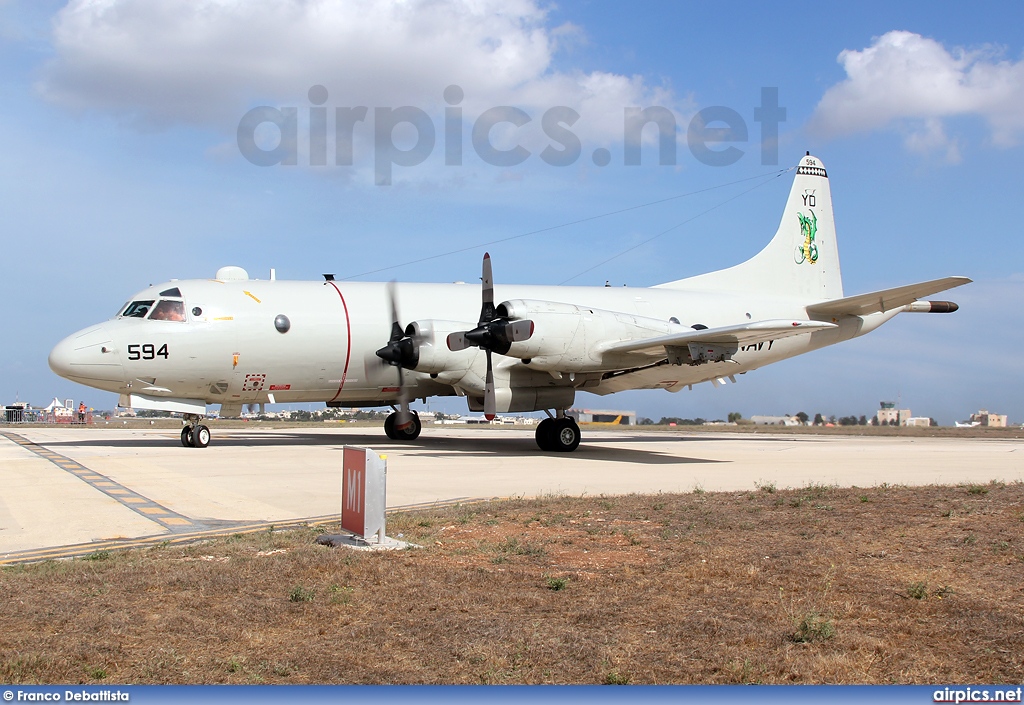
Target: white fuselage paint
x=232 y=353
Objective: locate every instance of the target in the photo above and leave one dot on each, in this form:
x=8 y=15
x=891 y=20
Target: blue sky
x=121 y=167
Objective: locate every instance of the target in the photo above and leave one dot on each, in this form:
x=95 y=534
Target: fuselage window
x=168 y=311
x=137 y=309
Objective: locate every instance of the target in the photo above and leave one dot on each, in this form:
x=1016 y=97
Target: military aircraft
x=235 y=341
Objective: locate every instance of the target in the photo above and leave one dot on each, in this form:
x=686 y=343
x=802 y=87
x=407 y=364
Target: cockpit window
x=176 y=292
x=137 y=309
x=168 y=311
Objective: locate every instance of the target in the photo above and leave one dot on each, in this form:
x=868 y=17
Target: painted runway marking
x=123 y=495
x=189 y=534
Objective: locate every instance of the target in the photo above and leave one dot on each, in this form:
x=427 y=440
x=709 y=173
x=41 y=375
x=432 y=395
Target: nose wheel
x=195 y=434
x=561 y=435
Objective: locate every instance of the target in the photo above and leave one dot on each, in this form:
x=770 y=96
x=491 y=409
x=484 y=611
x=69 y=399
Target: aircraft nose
x=86 y=356
x=61 y=356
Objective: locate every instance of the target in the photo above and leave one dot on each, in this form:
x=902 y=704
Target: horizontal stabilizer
x=744 y=334
x=885 y=300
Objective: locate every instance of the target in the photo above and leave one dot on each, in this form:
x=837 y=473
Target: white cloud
x=156 y=63
x=916 y=85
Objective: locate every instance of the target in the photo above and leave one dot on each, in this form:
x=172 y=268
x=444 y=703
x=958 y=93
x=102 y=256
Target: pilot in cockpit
x=168 y=311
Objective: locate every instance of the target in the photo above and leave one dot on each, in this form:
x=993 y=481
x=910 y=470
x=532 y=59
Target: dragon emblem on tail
x=807 y=251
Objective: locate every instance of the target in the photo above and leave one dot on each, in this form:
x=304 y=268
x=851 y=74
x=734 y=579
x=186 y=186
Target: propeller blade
x=404 y=418
x=402 y=348
x=490 y=405
x=519 y=330
x=457 y=342
x=487 y=310
x=399 y=351
x=396 y=328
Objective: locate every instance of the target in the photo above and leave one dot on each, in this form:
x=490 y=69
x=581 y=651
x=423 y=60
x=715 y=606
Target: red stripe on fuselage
x=348 y=336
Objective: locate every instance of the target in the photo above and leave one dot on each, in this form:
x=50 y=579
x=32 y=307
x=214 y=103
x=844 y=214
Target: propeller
x=400 y=352
x=492 y=334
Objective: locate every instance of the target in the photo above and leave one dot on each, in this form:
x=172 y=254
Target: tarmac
x=69 y=491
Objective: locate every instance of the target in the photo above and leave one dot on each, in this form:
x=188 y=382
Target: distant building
x=775 y=421
x=623 y=418
x=983 y=418
x=456 y=420
x=889 y=415
x=918 y=421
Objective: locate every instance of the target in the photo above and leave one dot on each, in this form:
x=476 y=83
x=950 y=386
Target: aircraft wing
x=743 y=334
x=885 y=300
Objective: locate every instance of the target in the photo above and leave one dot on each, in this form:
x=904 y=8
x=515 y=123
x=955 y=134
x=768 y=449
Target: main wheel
x=409 y=433
x=186 y=436
x=565 y=435
x=543 y=435
x=201 y=436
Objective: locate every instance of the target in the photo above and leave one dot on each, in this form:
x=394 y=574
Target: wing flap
x=884 y=300
x=743 y=334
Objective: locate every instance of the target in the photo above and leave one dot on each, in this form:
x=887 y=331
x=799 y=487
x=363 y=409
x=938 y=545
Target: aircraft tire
x=408 y=434
x=565 y=435
x=201 y=436
x=543 y=435
x=389 y=427
x=186 y=436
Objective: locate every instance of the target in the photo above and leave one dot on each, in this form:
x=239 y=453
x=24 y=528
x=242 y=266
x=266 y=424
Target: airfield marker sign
x=363 y=493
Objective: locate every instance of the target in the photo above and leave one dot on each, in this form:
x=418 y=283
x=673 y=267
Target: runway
x=73 y=490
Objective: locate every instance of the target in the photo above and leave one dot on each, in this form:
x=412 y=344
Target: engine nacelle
x=433 y=355
x=526 y=399
x=556 y=327
x=561 y=332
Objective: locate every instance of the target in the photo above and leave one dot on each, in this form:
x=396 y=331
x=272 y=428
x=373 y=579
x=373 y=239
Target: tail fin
x=802 y=260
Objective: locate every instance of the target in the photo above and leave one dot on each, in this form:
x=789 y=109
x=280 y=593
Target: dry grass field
x=816 y=585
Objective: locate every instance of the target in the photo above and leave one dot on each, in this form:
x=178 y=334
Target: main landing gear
x=195 y=434
x=560 y=434
x=409 y=433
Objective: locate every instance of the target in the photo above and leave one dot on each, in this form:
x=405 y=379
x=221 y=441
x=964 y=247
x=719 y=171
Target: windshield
x=137 y=309
x=168 y=311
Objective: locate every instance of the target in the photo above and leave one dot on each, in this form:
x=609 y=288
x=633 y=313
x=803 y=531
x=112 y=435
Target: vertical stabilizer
x=802 y=260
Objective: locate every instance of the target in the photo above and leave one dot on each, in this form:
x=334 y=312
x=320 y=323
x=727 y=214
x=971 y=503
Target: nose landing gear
x=195 y=434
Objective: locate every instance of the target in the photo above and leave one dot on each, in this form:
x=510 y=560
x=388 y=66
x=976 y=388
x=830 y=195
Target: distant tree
x=803 y=417
x=666 y=420
x=932 y=422
x=735 y=416
x=644 y=421
x=862 y=421
x=151 y=414
x=874 y=420
x=832 y=419
x=848 y=421
x=819 y=420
